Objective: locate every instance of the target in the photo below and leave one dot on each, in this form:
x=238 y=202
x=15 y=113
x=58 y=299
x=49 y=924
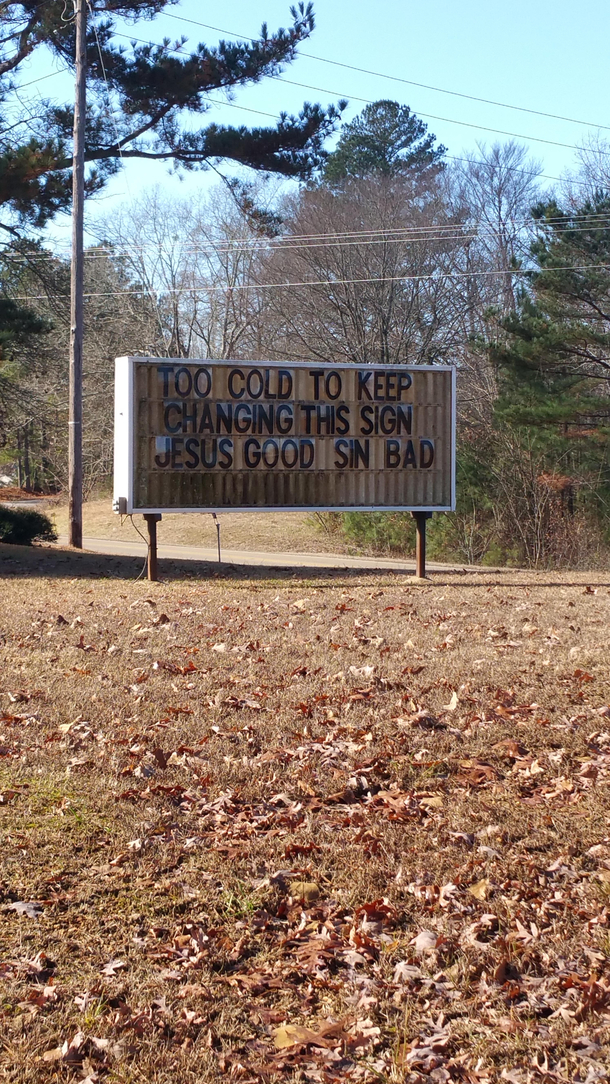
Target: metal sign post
x=151 y=522
x=420 y=543
x=217 y=523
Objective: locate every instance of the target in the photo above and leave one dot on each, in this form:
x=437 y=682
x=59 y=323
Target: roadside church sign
x=203 y=436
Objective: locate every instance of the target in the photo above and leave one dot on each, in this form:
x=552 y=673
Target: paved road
x=31 y=502
x=119 y=548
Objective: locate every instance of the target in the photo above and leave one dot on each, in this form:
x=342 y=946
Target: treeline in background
x=396 y=253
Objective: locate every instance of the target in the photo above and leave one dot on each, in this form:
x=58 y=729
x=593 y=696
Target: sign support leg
x=420 y=543
x=151 y=522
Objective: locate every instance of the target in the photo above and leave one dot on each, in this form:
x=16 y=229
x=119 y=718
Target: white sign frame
x=123 y=495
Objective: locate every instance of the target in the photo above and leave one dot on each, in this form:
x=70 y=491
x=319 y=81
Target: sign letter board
x=203 y=436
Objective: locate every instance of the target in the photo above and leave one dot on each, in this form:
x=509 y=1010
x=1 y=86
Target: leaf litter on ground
x=264 y=849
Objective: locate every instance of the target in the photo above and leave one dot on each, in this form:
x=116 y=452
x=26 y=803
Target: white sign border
x=124 y=436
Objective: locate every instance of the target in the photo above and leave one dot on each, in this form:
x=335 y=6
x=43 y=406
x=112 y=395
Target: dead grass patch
x=282 y=532
x=322 y=830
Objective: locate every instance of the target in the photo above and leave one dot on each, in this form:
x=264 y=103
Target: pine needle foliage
x=386 y=139
x=139 y=96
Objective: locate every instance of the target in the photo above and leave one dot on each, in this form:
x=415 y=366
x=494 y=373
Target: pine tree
x=152 y=89
x=385 y=139
x=557 y=348
x=554 y=359
x=21 y=334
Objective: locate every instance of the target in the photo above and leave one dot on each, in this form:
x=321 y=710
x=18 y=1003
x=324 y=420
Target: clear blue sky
x=536 y=54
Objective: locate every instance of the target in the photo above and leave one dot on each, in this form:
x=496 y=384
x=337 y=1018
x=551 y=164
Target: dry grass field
x=283 y=532
x=302 y=828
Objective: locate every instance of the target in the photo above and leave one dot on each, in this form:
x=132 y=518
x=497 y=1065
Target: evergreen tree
x=19 y=327
x=22 y=331
x=556 y=356
x=562 y=328
x=554 y=360
x=152 y=88
x=387 y=139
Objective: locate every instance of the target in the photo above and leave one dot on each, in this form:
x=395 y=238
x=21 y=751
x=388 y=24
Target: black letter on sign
x=363 y=391
x=392 y=453
x=191 y=446
x=361 y=453
x=337 y=382
x=271 y=447
x=283 y=418
x=166 y=370
x=208 y=461
x=206 y=425
x=225 y=447
x=292 y=460
x=202 y=383
x=308 y=409
x=306 y=450
x=166 y=416
x=183 y=392
x=339 y=446
x=366 y=419
x=162 y=460
x=232 y=375
x=343 y=418
x=409 y=460
x=405 y=421
x=387 y=419
x=242 y=418
x=252 y=453
x=176 y=458
x=189 y=419
x=316 y=382
x=426 y=453
x=284 y=384
x=224 y=416
x=260 y=385
x=404 y=383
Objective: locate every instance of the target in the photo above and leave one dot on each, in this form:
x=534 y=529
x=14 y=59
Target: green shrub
x=384 y=532
x=21 y=527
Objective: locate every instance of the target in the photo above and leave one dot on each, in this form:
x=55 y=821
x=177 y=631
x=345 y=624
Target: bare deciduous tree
x=381 y=249
x=492 y=193
x=592 y=173
x=197 y=261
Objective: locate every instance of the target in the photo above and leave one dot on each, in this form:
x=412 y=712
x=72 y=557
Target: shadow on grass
x=51 y=561
x=54 y=562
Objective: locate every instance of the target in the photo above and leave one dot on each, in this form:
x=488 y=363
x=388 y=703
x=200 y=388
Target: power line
x=445 y=120
x=326 y=60
x=457 y=93
x=41 y=77
x=408 y=82
x=367 y=101
x=434 y=276
x=287 y=244
x=305 y=242
x=430 y=116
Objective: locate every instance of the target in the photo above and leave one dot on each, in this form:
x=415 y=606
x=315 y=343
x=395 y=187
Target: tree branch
x=25 y=47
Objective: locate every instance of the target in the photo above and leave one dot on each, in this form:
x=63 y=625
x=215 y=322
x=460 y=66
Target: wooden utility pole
x=75 y=423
